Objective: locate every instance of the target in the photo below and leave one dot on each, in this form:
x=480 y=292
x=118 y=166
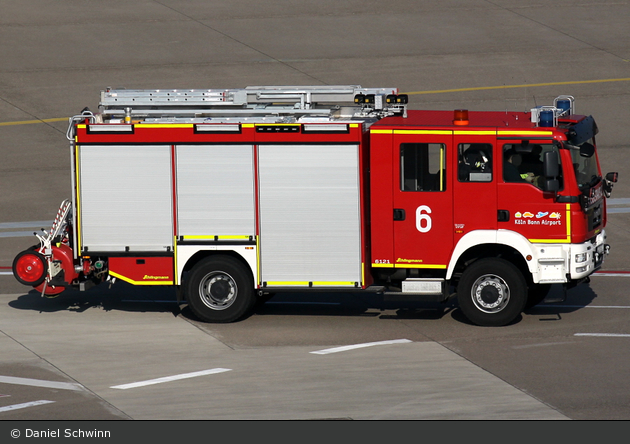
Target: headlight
x=581 y=257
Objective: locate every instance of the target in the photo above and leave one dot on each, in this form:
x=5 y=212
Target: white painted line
x=6 y=273
x=25 y=405
x=584 y=306
x=606 y=335
x=40 y=383
x=619 y=274
x=355 y=346
x=170 y=378
x=300 y=303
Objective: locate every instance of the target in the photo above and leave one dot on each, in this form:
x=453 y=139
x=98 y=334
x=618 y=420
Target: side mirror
x=587 y=150
x=551 y=163
x=551 y=171
x=608 y=183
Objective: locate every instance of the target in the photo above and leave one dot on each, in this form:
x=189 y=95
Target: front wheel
x=220 y=289
x=492 y=292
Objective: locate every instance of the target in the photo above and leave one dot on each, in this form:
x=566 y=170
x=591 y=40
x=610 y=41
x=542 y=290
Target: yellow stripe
x=475 y=133
x=568 y=208
x=401 y=265
x=524 y=133
x=258 y=266
x=429 y=132
x=531 y=85
x=247 y=125
x=439 y=266
x=382 y=131
x=78 y=186
x=176 y=275
x=211 y=237
x=558 y=241
x=307 y=283
x=131 y=281
x=550 y=241
x=168 y=125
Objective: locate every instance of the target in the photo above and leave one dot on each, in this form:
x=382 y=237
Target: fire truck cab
x=232 y=195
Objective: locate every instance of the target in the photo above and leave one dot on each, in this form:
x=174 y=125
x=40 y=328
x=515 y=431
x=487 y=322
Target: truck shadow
x=125 y=297
x=120 y=297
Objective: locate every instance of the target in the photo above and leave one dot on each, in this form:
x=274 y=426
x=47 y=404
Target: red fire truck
x=232 y=195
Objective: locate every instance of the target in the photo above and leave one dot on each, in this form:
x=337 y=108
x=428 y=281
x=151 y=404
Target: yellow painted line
x=531 y=85
x=29 y=122
x=437 y=91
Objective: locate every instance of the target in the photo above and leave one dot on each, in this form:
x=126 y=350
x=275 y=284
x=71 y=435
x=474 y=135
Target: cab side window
x=422 y=167
x=474 y=162
x=523 y=162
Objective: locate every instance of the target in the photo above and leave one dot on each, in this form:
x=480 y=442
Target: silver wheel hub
x=490 y=293
x=218 y=290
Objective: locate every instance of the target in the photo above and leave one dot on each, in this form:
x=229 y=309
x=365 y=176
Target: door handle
x=399 y=214
x=503 y=216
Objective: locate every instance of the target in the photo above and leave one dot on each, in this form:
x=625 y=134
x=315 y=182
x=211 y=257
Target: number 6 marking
x=423 y=220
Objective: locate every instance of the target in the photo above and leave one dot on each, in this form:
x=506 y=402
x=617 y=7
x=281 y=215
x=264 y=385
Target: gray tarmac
x=74 y=350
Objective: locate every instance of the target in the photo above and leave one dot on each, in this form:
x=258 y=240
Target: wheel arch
x=194 y=257
x=479 y=244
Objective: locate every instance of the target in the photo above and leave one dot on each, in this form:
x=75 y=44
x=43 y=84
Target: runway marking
x=531 y=85
x=607 y=335
x=438 y=91
x=24 y=405
x=546 y=344
x=355 y=346
x=29 y=122
x=584 y=306
x=170 y=378
x=40 y=383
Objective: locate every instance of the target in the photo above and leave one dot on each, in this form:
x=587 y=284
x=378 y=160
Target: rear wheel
x=220 y=289
x=492 y=292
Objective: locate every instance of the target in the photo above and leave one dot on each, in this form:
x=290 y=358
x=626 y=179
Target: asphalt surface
x=73 y=357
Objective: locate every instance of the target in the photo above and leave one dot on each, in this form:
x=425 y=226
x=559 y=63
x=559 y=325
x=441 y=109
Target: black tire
x=536 y=294
x=220 y=289
x=492 y=292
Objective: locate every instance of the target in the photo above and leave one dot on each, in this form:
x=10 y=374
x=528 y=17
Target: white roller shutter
x=125 y=198
x=309 y=214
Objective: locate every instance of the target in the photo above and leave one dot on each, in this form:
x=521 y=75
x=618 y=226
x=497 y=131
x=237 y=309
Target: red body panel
x=143 y=270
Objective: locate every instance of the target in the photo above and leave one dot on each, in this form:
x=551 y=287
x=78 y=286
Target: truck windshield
x=584 y=164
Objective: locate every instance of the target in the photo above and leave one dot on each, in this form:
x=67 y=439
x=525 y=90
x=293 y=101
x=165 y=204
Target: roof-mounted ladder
x=250 y=101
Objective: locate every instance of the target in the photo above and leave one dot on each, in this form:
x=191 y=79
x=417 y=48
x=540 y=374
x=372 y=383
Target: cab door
x=475 y=187
x=422 y=199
